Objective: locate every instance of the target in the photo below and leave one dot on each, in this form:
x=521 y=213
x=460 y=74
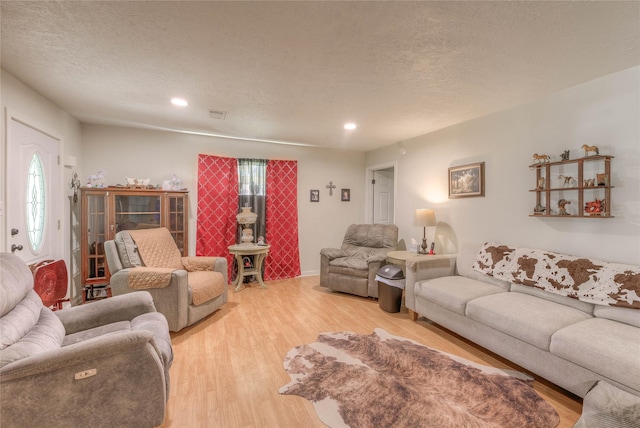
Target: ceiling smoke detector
x=217 y=114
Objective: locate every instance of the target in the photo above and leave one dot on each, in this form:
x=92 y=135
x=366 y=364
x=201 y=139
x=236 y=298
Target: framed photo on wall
x=345 y=195
x=466 y=180
x=314 y=195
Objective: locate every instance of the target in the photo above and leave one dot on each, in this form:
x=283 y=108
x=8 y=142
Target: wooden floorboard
x=227 y=369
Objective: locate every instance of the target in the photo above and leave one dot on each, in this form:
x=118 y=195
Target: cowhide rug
x=381 y=380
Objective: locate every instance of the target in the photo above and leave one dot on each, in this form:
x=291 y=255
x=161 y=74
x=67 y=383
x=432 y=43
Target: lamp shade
x=424 y=218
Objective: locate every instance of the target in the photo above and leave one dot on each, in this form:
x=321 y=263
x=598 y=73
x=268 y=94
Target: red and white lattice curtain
x=218 y=196
x=282 y=220
x=217 y=206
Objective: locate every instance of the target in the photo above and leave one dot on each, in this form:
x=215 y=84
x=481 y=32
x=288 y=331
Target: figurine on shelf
x=568 y=181
x=541 y=158
x=562 y=210
x=590 y=149
x=596 y=207
x=540 y=183
x=602 y=179
x=565 y=155
x=539 y=209
x=97 y=180
x=261 y=241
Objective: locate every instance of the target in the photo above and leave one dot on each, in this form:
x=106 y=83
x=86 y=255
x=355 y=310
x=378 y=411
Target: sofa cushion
x=453 y=292
x=205 y=286
x=465 y=266
x=20 y=321
x=625 y=315
x=17 y=282
x=603 y=346
x=46 y=334
x=589 y=280
x=371 y=235
x=358 y=263
x=525 y=317
x=567 y=301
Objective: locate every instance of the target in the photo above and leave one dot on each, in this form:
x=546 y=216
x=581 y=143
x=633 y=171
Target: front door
x=33 y=193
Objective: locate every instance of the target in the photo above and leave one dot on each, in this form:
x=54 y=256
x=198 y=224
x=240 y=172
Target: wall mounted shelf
x=575 y=182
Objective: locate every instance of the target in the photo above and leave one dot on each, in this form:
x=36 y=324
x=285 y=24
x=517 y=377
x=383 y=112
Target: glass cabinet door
x=95 y=221
x=137 y=212
x=176 y=218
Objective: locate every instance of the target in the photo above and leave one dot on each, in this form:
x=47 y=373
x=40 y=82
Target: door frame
x=369 y=213
x=57 y=193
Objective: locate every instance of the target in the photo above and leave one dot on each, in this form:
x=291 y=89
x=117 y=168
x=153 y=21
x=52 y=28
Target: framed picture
x=466 y=180
x=314 y=195
x=345 y=195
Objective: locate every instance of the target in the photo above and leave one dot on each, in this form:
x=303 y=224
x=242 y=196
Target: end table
x=259 y=253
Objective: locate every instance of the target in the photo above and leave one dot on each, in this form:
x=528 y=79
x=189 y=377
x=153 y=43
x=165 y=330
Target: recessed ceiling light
x=349 y=126
x=180 y=102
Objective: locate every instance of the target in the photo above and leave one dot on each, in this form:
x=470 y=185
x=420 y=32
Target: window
x=35 y=197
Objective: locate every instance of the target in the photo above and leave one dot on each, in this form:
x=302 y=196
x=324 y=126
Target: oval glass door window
x=35 y=203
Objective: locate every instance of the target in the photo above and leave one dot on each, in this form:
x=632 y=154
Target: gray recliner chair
x=352 y=268
x=184 y=289
x=102 y=364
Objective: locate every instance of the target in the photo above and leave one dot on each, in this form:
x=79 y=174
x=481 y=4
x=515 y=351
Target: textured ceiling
x=297 y=71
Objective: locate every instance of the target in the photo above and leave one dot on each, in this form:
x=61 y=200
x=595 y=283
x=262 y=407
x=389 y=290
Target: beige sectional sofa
x=516 y=303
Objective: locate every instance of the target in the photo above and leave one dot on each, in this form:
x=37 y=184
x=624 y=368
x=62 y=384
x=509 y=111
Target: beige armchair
x=184 y=289
x=103 y=364
x=352 y=268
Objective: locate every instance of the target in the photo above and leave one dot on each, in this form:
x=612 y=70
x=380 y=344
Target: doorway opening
x=381 y=185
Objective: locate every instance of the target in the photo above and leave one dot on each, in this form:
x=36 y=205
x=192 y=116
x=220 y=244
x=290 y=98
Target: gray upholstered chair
x=103 y=364
x=352 y=268
x=184 y=289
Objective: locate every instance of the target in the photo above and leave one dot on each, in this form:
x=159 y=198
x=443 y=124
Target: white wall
x=36 y=110
x=604 y=112
x=128 y=152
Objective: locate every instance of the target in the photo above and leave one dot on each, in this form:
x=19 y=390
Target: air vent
x=217 y=114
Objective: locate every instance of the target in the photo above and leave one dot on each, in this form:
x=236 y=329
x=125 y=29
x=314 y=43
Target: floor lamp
x=424 y=218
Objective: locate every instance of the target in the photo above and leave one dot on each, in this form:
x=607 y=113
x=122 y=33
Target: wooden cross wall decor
x=330 y=186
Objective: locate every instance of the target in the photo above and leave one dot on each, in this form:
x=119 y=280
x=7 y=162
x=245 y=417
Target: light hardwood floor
x=227 y=369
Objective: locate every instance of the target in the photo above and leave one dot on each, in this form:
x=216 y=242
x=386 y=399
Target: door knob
x=15 y=247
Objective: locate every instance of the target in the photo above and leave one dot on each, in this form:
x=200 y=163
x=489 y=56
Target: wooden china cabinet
x=106 y=211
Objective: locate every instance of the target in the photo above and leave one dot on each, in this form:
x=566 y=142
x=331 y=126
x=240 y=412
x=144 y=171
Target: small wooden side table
x=399 y=258
x=259 y=252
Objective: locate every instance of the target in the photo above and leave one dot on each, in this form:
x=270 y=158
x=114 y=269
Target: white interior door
x=383 y=196
x=33 y=193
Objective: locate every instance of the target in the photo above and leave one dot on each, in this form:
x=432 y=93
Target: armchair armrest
x=376 y=258
x=107 y=311
x=171 y=301
x=196 y=263
x=121 y=370
x=333 y=253
x=420 y=268
x=80 y=353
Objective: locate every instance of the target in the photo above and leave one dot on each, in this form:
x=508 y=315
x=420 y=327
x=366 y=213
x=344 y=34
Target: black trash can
x=390 y=280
